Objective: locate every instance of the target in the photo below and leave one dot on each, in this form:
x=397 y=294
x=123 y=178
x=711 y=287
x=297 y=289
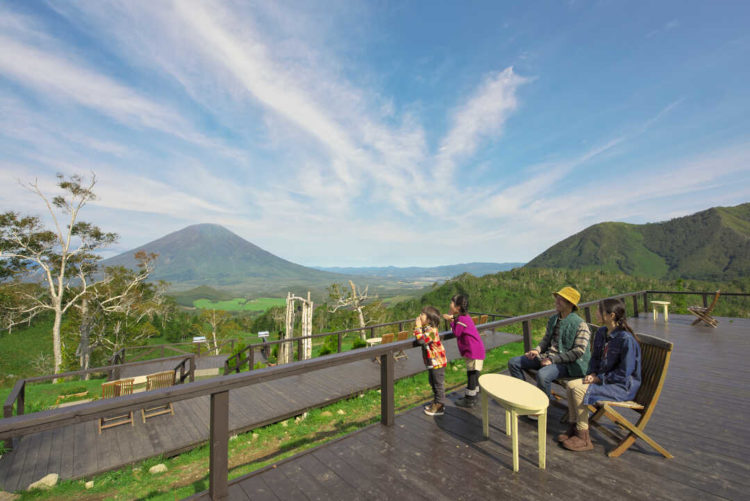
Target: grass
x=188 y=473
x=42 y=396
x=240 y=304
x=25 y=349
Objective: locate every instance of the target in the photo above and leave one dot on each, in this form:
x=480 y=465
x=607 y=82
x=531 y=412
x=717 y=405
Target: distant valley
x=209 y=259
x=434 y=274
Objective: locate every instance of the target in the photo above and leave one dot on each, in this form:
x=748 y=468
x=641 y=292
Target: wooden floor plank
x=258 y=490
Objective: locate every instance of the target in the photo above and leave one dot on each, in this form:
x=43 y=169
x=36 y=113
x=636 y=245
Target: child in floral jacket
x=433 y=353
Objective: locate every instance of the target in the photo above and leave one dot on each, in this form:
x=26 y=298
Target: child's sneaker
x=467 y=401
x=435 y=410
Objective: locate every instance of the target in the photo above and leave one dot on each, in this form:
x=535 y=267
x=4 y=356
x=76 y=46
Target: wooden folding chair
x=154 y=382
x=483 y=319
x=704 y=313
x=114 y=389
x=402 y=336
x=655 y=355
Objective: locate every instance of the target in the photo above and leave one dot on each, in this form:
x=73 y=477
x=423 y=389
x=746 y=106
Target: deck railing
x=218 y=389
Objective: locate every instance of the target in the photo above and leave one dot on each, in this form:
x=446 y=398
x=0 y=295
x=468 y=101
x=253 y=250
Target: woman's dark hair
x=462 y=303
x=617 y=307
x=433 y=315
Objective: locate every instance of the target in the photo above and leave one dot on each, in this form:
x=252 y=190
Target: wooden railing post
x=526 y=335
x=251 y=358
x=339 y=342
x=645 y=302
x=587 y=311
x=191 y=373
x=635 y=306
x=387 y=399
x=218 y=469
x=705 y=300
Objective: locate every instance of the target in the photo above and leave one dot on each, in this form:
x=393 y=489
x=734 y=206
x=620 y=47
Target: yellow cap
x=569 y=294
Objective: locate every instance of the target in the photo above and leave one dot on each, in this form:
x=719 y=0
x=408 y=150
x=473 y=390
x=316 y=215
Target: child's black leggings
x=472 y=388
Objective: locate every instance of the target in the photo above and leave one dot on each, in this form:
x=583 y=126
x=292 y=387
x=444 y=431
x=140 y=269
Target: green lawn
x=25 y=349
x=240 y=304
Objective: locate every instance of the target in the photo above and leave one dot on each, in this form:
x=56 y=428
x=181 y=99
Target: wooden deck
x=79 y=451
x=701 y=419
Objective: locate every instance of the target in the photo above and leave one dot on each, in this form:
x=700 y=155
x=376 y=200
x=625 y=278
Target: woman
x=614 y=373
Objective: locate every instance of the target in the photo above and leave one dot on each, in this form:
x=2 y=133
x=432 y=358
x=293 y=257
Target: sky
x=374 y=133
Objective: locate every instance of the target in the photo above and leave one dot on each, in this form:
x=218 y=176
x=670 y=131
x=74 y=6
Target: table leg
x=542 y=431
x=666 y=313
x=655 y=313
x=514 y=437
x=507 y=422
x=485 y=415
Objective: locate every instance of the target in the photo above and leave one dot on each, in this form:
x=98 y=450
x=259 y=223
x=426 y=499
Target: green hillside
x=526 y=290
x=710 y=245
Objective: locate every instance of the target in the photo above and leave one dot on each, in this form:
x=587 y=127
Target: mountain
x=209 y=254
x=433 y=274
x=710 y=245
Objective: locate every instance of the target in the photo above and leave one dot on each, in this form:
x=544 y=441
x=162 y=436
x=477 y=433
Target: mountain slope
x=711 y=245
x=209 y=254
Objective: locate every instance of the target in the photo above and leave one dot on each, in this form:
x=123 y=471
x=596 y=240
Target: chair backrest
x=475 y=319
x=483 y=319
x=713 y=303
x=655 y=355
x=117 y=388
x=403 y=335
x=387 y=338
x=159 y=380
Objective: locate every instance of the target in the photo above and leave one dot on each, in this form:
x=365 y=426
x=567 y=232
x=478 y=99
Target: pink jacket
x=469 y=342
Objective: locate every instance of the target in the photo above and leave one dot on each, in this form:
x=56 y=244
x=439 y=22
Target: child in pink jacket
x=470 y=346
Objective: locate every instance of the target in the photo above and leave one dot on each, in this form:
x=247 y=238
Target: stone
x=326 y=413
x=90 y=484
x=340 y=412
x=159 y=468
x=255 y=436
x=46 y=482
x=8 y=496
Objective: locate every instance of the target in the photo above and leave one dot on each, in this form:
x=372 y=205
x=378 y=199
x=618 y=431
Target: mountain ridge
x=713 y=244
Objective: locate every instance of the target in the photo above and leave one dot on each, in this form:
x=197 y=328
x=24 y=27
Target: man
x=564 y=350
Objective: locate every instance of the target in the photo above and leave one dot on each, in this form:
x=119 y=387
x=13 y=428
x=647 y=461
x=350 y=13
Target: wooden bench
x=154 y=382
x=402 y=336
x=114 y=389
x=655 y=356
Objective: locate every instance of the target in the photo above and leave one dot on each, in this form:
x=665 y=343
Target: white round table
x=519 y=398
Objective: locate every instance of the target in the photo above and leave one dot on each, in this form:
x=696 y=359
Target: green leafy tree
x=62 y=258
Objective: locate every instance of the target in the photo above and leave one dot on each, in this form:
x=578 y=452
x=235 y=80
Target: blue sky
x=346 y=133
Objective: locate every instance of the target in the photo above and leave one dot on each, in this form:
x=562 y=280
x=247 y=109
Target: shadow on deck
x=701 y=419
